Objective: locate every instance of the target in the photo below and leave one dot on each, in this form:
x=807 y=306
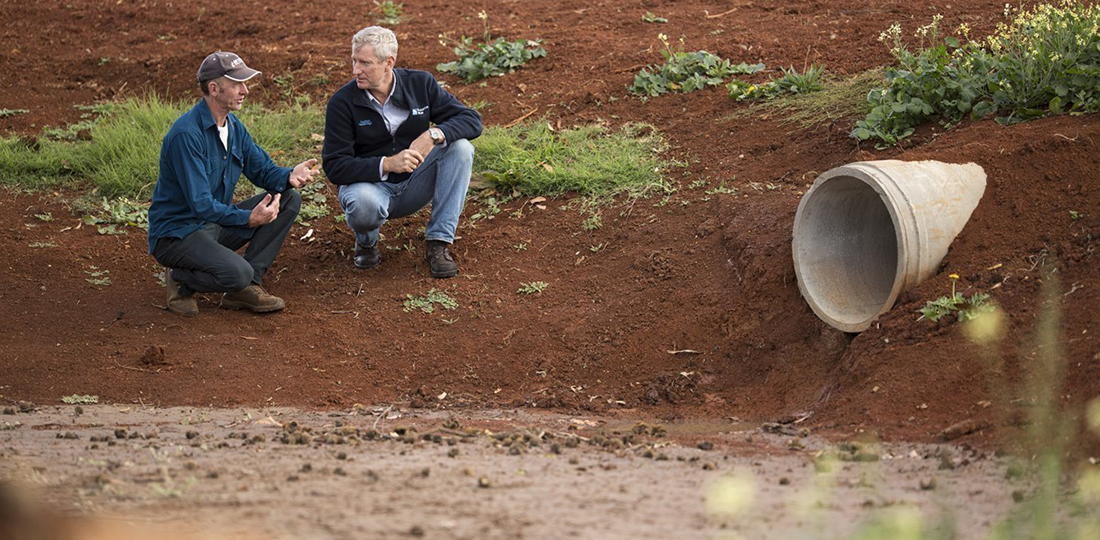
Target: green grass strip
x=592 y=161
x=116 y=151
x=838 y=99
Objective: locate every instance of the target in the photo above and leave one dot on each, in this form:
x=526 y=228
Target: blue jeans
x=441 y=180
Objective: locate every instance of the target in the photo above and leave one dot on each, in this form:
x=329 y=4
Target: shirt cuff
x=382 y=175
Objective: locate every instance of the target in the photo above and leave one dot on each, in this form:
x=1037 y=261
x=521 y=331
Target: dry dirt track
x=247 y=473
x=705 y=272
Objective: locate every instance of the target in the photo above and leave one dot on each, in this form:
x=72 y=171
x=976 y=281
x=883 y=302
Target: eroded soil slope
x=687 y=308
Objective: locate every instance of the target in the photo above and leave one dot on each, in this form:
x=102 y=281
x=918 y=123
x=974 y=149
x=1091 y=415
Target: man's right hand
x=265 y=212
x=405 y=161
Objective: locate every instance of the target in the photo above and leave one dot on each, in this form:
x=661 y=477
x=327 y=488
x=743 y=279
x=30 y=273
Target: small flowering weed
x=966 y=309
x=1045 y=60
x=492 y=58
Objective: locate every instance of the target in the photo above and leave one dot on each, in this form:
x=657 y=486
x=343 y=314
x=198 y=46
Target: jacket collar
x=361 y=99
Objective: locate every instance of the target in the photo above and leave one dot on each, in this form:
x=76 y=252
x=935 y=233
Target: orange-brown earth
x=708 y=273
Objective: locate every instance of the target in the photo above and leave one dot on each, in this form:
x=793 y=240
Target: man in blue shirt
x=194 y=227
x=387 y=159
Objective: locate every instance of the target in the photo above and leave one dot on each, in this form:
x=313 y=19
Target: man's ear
x=391 y=61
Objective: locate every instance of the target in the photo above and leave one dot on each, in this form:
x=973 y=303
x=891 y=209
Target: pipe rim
x=867 y=175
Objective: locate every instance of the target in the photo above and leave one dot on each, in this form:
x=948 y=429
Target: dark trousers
x=206 y=260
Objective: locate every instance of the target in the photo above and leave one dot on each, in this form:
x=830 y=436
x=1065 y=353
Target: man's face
x=370 y=72
x=229 y=95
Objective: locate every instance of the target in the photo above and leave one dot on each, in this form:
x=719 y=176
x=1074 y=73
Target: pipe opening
x=848 y=250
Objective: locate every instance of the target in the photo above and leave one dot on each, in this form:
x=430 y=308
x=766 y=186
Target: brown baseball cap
x=225 y=64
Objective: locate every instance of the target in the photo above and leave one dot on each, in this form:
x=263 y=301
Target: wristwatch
x=437 y=135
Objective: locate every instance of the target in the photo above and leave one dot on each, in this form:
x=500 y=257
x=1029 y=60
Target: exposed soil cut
x=688 y=309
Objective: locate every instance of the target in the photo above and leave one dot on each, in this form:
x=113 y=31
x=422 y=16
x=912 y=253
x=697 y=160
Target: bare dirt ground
x=387 y=473
x=710 y=273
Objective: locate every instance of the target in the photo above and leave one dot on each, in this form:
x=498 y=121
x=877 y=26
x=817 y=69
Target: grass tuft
x=839 y=98
x=593 y=161
x=118 y=151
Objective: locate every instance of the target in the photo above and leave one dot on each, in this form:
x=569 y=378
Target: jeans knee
x=462 y=150
x=365 y=213
x=290 y=201
x=236 y=276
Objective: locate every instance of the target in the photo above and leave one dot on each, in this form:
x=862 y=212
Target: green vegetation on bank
x=113 y=155
x=690 y=71
x=838 y=98
x=792 y=82
x=592 y=160
x=390 y=13
x=955 y=303
x=491 y=58
x=685 y=71
x=1043 y=61
x=116 y=149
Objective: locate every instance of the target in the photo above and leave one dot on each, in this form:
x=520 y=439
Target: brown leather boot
x=253 y=298
x=179 y=303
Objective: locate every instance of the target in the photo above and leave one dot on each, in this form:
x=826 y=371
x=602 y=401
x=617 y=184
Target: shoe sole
x=183 y=313
x=444 y=275
x=254 y=309
x=366 y=267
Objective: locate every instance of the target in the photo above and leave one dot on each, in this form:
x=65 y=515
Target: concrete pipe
x=867 y=231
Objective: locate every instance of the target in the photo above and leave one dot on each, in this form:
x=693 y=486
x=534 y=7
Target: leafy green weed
x=491 y=58
x=428 y=302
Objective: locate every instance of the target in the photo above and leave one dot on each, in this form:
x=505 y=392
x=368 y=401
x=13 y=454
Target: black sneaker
x=440 y=260
x=367 y=257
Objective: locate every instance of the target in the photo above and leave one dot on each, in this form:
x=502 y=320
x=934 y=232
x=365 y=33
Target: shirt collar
x=389 y=98
x=206 y=117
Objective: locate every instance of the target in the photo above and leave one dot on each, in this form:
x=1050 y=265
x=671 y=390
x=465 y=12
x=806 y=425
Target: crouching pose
x=194 y=227
x=388 y=159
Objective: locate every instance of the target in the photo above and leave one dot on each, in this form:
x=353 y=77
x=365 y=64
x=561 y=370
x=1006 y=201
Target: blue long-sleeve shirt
x=198 y=176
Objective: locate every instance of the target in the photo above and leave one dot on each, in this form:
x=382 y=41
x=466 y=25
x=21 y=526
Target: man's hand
x=266 y=211
x=405 y=161
x=302 y=173
x=423 y=144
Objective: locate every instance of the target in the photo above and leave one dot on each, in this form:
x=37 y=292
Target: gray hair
x=382 y=40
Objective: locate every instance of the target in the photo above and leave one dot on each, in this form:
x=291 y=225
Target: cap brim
x=241 y=75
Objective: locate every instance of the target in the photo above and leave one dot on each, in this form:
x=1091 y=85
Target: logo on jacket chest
x=365 y=123
x=420 y=111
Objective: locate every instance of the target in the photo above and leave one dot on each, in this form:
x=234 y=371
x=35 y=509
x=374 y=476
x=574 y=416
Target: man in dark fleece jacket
x=387 y=158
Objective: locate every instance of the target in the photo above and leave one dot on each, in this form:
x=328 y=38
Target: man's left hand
x=302 y=173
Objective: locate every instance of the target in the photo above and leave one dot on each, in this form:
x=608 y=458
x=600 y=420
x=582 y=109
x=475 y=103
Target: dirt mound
x=1036 y=227
x=685 y=307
